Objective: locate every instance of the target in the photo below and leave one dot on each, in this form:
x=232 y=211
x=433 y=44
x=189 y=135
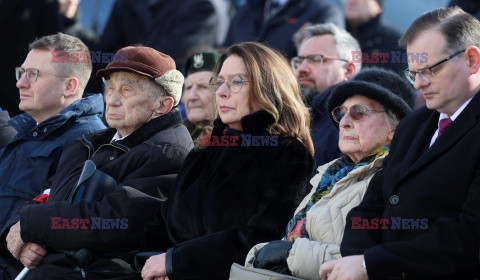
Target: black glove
x=273 y=256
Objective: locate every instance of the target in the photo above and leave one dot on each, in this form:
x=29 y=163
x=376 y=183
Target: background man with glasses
x=324 y=59
x=55 y=115
x=432 y=174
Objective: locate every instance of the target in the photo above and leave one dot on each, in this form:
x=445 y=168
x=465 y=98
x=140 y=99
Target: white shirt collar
x=455 y=115
x=116 y=137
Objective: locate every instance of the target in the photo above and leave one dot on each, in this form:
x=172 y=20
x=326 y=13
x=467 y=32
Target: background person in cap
x=142 y=151
x=197 y=96
x=366 y=110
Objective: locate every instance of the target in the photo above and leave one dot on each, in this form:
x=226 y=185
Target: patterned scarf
x=296 y=228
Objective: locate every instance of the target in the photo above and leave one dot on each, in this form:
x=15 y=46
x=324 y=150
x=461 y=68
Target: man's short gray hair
x=346 y=44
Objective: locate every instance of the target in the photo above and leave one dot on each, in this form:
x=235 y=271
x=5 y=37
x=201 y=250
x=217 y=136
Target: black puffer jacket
x=144 y=164
x=228 y=198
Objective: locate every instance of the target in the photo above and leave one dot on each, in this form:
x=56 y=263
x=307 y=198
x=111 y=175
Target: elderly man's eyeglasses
x=357 y=112
x=234 y=83
x=32 y=74
x=314 y=59
x=427 y=73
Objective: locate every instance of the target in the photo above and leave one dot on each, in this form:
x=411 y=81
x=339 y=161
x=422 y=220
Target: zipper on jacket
x=116 y=147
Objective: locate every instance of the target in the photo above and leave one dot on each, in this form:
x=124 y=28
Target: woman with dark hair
x=242 y=182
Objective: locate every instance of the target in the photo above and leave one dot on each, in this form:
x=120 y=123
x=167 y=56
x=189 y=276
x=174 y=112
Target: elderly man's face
x=358 y=138
x=130 y=102
x=313 y=77
x=198 y=98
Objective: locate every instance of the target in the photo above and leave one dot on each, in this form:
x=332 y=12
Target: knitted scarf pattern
x=296 y=228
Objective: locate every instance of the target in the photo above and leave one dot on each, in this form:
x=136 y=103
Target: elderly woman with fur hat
x=366 y=110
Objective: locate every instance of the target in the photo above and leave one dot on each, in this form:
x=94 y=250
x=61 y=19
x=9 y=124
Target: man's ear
x=351 y=70
x=473 y=59
x=71 y=87
x=165 y=104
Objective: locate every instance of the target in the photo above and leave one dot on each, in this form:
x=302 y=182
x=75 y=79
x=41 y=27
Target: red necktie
x=444 y=123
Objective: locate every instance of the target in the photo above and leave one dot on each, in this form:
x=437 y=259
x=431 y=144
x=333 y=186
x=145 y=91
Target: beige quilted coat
x=325 y=221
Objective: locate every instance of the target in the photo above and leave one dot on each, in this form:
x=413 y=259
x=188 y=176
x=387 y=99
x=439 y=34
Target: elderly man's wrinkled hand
x=32 y=254
x=14 y=241
x=345 y=268
x=155 y=268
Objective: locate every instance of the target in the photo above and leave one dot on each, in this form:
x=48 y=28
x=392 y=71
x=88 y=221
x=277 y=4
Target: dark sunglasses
x=357 y=112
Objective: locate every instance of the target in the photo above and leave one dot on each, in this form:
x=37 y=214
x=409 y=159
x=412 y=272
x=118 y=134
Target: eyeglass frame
x=365 y=109
x=25 y=71
x=229 y=83
x=412 y=78
x=310 y=59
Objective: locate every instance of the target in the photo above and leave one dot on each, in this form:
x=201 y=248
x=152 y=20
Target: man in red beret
x=142 y=150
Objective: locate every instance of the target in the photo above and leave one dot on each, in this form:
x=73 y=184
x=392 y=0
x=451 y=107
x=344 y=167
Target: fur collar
x=255 y=123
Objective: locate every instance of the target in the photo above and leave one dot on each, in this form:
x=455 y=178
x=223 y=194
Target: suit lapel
x=465 y=121
x=421 y=138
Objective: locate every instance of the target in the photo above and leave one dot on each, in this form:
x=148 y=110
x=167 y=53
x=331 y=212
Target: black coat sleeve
x=210 y=256
x=114 y=223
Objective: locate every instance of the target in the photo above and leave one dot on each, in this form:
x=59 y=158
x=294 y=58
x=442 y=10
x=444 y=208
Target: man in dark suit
x=428 y=192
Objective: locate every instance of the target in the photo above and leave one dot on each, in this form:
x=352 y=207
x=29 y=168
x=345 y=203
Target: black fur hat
x=384 y=86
